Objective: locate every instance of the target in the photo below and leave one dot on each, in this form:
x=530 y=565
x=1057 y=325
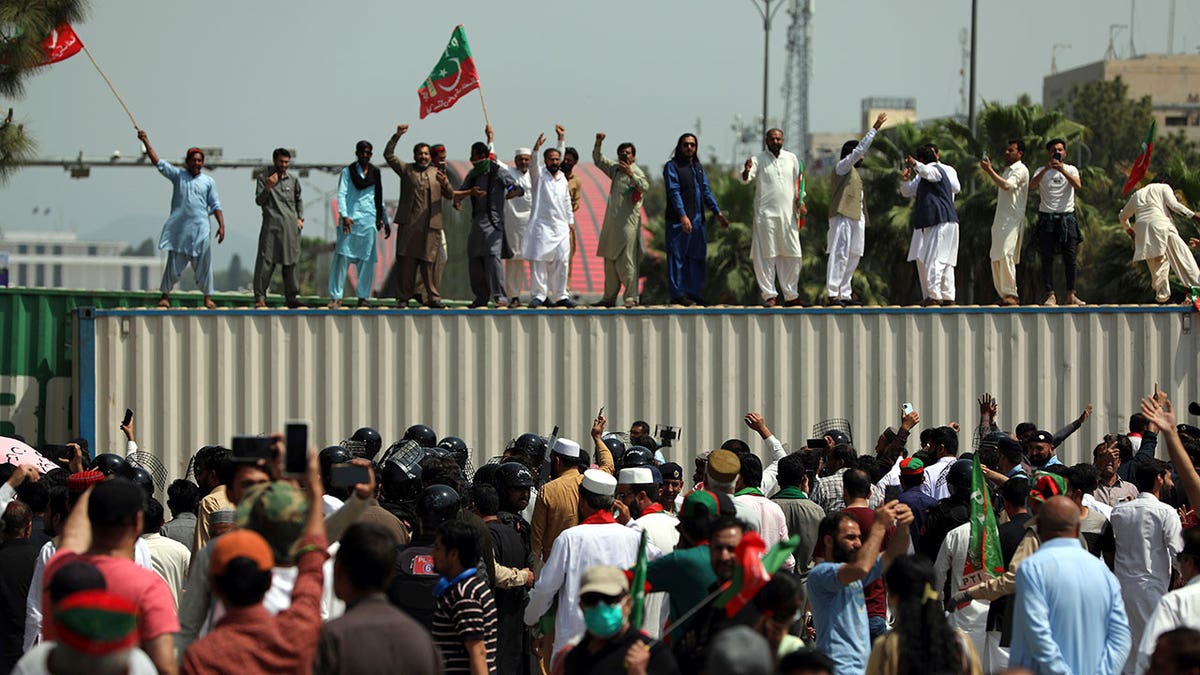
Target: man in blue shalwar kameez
x=360 y=206
x=185 y=234
x=688 y=194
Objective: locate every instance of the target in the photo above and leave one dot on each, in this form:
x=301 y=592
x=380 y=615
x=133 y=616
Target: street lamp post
x=767 y=12
x=971 y=85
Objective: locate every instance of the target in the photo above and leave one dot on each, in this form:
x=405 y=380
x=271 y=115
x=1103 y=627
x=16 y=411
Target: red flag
x=452 y=78
x=1142 y=162
x=62 y=43
x=755 y=567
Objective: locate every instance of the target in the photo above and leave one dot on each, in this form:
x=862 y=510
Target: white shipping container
x=199 y=377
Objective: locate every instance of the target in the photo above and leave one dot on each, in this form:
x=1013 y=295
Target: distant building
x=62 y=260
x=1171 y=81
x=899 y=110
x=825 y=147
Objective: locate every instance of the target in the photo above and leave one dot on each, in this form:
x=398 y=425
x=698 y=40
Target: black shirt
x=17 y=560
x=611 y=657
x=411 y=588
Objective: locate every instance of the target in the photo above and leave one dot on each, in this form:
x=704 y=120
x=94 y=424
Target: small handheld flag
x=1138 y=170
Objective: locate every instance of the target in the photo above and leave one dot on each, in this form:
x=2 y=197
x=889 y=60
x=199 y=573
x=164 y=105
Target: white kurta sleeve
x=909 y=188
x=1170 y=202
x=770 y=477
x=541 y=597
x=843 y=166
x=753 y=171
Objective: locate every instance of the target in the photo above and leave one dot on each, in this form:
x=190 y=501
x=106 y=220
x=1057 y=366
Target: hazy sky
x=318 y=76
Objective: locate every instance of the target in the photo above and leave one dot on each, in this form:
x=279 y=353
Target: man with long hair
x=688 y=194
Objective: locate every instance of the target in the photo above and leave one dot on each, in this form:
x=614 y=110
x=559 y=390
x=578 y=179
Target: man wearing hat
x=912 y=495
x=637 y=507
x=620 y=237
x=248 y=638
x=598 y=540
x=516 y=216
x=97 y=635
x=722 y=476
x=672 y=486
x=558 y=506
x=610 y=644
x=686 y=573
x=1039 y=447
x=102 y=530
x=185 y=234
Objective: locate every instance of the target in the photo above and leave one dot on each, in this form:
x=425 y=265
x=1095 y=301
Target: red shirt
x=143 y=587
x=248 y=640
x=876 y=591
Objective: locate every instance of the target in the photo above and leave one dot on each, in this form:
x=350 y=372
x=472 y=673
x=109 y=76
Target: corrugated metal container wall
x=201 y=377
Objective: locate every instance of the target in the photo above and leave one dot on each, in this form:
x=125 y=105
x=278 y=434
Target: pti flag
x=984 y=559
x=62 y=43
x=1142 y=162
x=452 y=78
x=754 y=568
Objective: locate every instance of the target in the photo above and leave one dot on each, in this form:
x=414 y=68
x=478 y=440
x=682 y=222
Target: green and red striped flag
x=453 y=77
x=637 y=586
x=1138 y=170
x=984 y=558
x=753 y=570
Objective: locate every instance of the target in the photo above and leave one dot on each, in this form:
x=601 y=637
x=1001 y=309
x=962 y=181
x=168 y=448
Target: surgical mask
x=603 y=620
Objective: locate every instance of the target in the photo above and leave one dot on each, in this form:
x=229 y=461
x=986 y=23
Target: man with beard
x=547 y=243
x=620 y=242
x=278 y=195
x=724 y=536
x=512 y=551
x=688 y=194
x=185 y=234
x=1112 y=489
x=637 y=506
x=516 y=217
x=418 y=219
x=489 y=186
x=360 y=208
x=775 y=248
x=835 y=585
x=1039 y=447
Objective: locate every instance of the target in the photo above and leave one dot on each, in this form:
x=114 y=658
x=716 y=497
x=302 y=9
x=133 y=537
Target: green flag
x=452 y=78
x=984 y=558
x=637 y=587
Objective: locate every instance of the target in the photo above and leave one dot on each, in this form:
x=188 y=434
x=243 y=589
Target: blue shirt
x=359 y=206
x=840 y=616
x=193 y=200
x=1069 y=618
x=916 y=499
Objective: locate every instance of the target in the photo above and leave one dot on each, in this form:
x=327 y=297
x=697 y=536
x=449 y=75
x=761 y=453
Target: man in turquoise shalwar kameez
x=360 y=206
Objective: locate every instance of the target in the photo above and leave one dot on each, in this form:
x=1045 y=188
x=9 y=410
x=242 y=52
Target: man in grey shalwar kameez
x=278 y=194
x=489 y=185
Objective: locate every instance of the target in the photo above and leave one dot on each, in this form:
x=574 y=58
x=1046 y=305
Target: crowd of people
x=609 y=557
x=523 y=231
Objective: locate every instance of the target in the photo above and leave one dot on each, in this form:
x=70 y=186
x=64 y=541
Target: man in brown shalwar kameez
x=419 y=219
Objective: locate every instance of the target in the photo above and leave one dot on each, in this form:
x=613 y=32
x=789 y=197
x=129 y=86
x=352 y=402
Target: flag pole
x=483 y=103
x=109 y=83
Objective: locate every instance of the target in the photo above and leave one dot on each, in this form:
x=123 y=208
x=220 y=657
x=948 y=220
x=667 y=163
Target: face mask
x=603 y=620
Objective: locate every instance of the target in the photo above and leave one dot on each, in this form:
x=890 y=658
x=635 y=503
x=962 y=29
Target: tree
x=148 y=247
x=23 y=26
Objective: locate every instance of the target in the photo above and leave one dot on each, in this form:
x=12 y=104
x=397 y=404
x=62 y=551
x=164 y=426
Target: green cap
x=277 y=511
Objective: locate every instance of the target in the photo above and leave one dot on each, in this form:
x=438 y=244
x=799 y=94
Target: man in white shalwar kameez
x=516 y=216
x=951 y=558
x=1009 y=222
x=934 y=244
x=547 y=242
x=1155 y=238
x=847 y=218
x=775 y=248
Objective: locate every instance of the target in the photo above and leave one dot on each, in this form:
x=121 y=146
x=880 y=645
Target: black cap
x=671 y=471
x=839 y=437
x=1040 y=436
x=1007 y=443
x=1194 y=408
x=1188 y=430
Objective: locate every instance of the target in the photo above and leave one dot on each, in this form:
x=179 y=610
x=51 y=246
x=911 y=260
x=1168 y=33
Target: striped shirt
x=465 y=612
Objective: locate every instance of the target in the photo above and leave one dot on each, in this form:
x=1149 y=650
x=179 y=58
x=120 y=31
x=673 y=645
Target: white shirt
x=170 y=560
x=1152 y=207
x=1056 y=192
x=772 y=523
x=37 y=661
x=1148 y=537
x=1013 y=196
x=775 y=231
x=33 y=601
x=661 y=531
x=1177 y=609
x=573 y=552
x=930 y=173
x=1103 y=509
x=517 y=210
x=548 y=234
x=935 y=484
x=951 y=558
x=770 y=477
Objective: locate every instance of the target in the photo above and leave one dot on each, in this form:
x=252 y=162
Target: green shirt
x=687 y=575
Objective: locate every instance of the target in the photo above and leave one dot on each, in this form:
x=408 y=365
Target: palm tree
x=23 y=26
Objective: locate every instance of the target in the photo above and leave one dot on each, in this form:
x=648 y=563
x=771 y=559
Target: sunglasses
x=592 y=599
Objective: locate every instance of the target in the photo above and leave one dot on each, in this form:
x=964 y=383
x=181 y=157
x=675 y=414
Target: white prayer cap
x=636 y=475
x=599 y=483
x=566 y=447
x=522 y=151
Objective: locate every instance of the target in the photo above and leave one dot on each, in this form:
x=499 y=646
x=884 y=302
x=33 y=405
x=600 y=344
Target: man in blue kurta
x=360 y=206
x=688 y=195
x=1069 y=616
x=185 y=234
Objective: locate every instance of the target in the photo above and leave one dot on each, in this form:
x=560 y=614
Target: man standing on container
x=620 y=245
x=516 y=217
x=934 y=244
x=1057 y=228
x=1009 y=223
x=360 y=206
x=489 y=186
x=278 y=195
x=777 y=202
x=847 y=218
x=418 y=219
x=547 y=243
x=185 y=234
x=688 y=194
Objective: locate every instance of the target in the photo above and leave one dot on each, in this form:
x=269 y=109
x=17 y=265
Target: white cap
x=599 y=483
x=636 y=475
x=522 y=151
x=566 y=447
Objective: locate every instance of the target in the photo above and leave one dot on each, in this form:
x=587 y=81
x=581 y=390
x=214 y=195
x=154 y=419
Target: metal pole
x=971 y=86
x=766 y=61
